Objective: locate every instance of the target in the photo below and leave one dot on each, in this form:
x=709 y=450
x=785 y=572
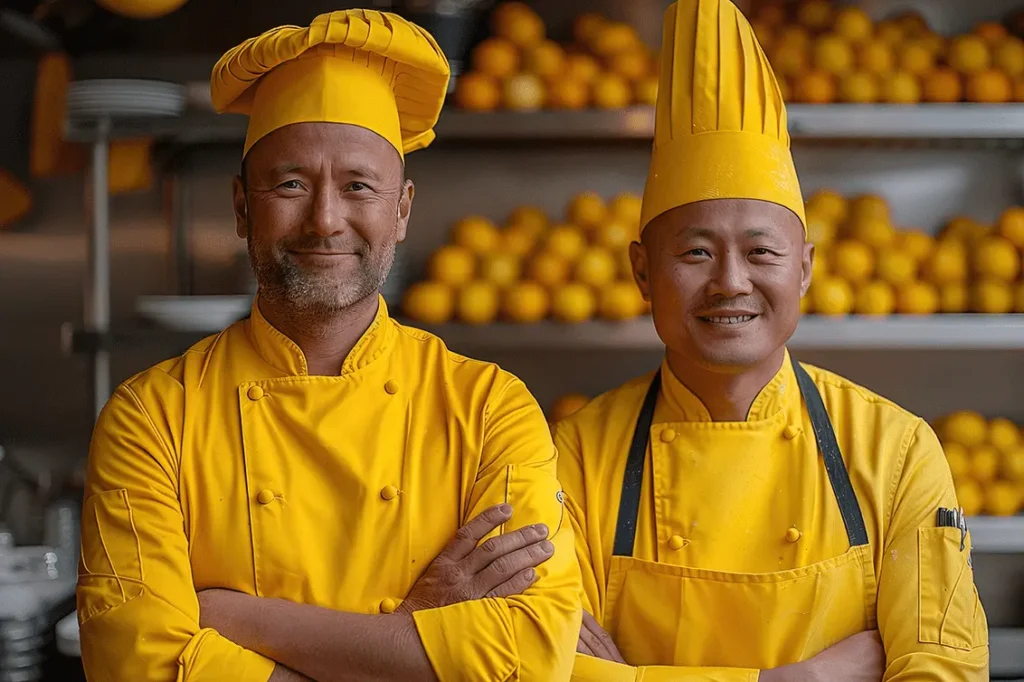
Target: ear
x=405 y=209
x=241 y=207
x=807 y=266
x=638 y=257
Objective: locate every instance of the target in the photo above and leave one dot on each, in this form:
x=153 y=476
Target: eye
x=357 y=187
x=762 y=251
x=697 y=253
x=290 y=185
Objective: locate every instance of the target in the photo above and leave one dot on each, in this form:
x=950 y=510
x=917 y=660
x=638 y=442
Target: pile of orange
x=519 y=68
x=986 y=458
x=532 y=269
x=866 y=265
x=824 y=53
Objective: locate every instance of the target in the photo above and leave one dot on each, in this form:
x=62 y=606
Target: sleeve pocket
x=536 y=497
x=948 y=604
x=111 y=565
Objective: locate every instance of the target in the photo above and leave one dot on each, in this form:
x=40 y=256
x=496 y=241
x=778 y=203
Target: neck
x=726 y=395
x=325 y=340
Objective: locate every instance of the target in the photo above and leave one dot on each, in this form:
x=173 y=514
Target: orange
x=613 y=37
x=587 y=209
x=548 y=269
x=869 y=207
x=586 y=26
x=632 y=63
x=938 y=45
x=820 y=231
x=611 y=92
x=573 y=302
x=831 y=296
x=816 y=15
x=646 y=91
x=517 y=23
x=816 y=87
x=765 y=35
x=596 y=267
x=966 y=428
x=567 y=405
x=1011 y=226
x=785 y=89
x=831 y=204
x=477 y=91
x=960 y=227
x=582 y=68
x=946 y=264
x=820 y=265
x=984 y=463
x=896 y=267
x=525 y=302
x=566 y=241
x=531 y=217
x=518 y=240
x=1018 y=298
x=429 y=302
x=853 y=261
x=916 y=57
x=877 y=57
x=854 y=24
x=794 y=34
x=954 y=298
x=451 y=264
x=943 y=85
x=789 y=59
x=478 y=303
x=875 y=232
x=901 y=88
x=889 y=32
x=500 y=269
x=625 y=264
x=912 y=23
x=477 y=234
x=991 y=296
x=620 y=301
x=524 y=92
x=1012 y=466
x=970 y=496
x=916 y=243
x=990 y=86
x=1003 y=434
x=1002 y=499
x=546 y=59
x=997 y=258
x=833 y=54
x=991 y=32
x=496 y=57
x=874 y=298
x=969 y=54
x=1009 y=57
x=568 y=94
x=859 y=87
x=917 y=298
x=958 y=460
x=614 y=235
x=1018 y=89
x=626 y=206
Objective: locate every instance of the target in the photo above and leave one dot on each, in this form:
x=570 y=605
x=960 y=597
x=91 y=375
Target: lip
x=324 y=254
x=718 y=319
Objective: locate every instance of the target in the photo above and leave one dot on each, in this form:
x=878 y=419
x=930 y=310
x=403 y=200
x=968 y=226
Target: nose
x=326 y=213
x=731 y=276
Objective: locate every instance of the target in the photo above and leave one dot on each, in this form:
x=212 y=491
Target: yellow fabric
x=718 y=608
x=365 y=68
x=720 y=124
x=15 y=199
x=231 y=467
x=131 y=169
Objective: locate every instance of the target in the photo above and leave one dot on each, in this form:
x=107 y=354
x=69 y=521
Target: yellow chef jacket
x=231 y=467
x=746 y=510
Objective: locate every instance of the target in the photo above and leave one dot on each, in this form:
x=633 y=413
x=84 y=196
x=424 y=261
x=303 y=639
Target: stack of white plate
x=125 y=98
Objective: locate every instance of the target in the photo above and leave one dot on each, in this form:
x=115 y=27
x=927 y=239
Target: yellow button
x=791 y=432
x=255 y=393
x=388 y=605
x=668 y=435
x=391 y=386
x=389 y=492
x=265 y=497
x=792 y=535
x=676 y=542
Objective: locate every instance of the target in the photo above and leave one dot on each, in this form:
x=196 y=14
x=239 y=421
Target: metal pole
x=97 y=289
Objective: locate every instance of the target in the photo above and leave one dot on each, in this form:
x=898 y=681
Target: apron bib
x=663 y=614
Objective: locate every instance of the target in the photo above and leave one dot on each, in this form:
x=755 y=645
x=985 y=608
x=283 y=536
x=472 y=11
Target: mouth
x=733 y=320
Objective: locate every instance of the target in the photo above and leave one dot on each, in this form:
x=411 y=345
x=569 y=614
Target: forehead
x=727 y=219
x=317 y=144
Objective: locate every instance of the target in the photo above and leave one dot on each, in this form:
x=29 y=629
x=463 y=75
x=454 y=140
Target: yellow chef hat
x=720 y=125
x=361 y=67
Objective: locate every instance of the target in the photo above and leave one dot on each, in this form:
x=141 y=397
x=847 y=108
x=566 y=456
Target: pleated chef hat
x=720 y=128
x=371 y=69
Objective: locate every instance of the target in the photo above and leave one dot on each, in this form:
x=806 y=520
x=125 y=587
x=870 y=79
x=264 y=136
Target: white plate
x=208 y=314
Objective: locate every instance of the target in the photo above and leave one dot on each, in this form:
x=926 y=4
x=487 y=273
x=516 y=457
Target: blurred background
x=117 y=244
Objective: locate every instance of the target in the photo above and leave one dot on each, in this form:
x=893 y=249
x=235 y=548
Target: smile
x=732 y=319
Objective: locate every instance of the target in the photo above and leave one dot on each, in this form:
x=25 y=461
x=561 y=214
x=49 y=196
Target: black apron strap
x=633 y=479
x=834 y=464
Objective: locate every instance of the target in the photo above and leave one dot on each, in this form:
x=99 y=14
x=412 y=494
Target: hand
x=860 y=658
x=594 y=641
x=501 y=567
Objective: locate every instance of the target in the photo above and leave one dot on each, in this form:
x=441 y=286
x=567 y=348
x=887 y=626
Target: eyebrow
x=359 y=171
x=708 y=233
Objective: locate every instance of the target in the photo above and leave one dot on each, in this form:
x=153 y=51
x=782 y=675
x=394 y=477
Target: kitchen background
x=907 y=135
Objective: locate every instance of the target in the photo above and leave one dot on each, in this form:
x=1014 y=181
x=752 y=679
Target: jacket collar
x=283 y=354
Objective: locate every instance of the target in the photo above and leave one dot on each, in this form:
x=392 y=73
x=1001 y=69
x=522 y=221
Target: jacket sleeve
x=929 y=615
x=532 y=636
x=592 y=569
x=137 y=607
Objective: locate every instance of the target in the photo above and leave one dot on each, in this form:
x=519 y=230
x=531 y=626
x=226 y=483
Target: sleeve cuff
x=469 y=641
x=208 y=657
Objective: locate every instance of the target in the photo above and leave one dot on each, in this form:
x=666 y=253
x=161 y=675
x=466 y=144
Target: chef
x=740 y=515
x=282 y=501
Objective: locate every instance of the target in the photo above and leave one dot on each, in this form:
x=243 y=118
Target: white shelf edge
x=997 y=535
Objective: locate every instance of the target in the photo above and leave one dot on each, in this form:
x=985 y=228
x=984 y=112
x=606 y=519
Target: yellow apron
x=661 y=614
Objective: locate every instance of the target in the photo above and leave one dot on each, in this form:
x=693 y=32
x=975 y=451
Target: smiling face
x=724 y=278
x=322 y=207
